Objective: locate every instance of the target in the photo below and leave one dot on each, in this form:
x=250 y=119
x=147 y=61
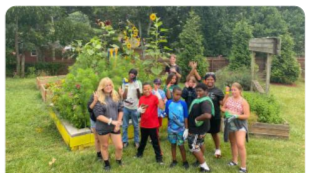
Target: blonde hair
x=173 y=55
x=238 y=86
x=100 y=90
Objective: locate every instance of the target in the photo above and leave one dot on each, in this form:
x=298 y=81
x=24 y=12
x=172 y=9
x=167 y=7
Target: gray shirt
x=109 y=110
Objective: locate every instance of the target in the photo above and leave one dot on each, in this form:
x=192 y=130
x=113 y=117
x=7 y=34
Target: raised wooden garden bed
x=78 y=139
x=42 y=80
x=46 y=94
x=269 y=130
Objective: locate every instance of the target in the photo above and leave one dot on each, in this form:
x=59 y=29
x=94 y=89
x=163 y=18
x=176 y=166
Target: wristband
x=227 y=92
x=110 y=121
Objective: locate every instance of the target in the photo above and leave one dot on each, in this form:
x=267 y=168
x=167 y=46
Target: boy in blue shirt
x=177 y=112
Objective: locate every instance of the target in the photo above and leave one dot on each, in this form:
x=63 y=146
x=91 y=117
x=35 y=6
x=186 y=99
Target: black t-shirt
x=197 y=110
x=189 y=94
x=216 y=96
x=92 y=116
x=177 y=68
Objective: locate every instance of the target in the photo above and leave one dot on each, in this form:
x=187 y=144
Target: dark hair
x=133 y=71
x=202 y=86
x=170 y=78
x=146 y=83
x=212 y=74
x=176 y=89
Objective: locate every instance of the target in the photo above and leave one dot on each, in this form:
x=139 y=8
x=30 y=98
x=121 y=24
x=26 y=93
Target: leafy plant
x=266 y=107
x=227 y=76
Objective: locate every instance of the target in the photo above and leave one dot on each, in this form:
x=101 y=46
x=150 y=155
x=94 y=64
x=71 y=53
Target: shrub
x=226 y=76
x=285 y=68
x=191 y=39
x=49 y=68
x=240 y=54
x=266 y=107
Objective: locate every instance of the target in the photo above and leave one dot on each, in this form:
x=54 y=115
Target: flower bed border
x=270 y=130
x=78 y=139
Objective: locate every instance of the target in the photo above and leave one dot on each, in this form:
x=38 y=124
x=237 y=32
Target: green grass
x=32 y=140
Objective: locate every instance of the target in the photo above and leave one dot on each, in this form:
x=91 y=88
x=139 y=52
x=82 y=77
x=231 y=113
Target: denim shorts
x=92 y=123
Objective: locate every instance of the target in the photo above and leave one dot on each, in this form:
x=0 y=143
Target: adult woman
x=237 y=111
x=217 y=97
x=108 y=112
x=172 y=81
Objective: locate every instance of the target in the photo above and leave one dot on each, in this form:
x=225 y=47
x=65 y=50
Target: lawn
x=32 y=140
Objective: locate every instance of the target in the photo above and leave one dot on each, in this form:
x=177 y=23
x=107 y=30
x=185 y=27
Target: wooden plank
x=269 y=136
x=265 y=45
x=260 y=130
x=252 y=69
x=257 y=86
x=268 y=73
x=272 y=126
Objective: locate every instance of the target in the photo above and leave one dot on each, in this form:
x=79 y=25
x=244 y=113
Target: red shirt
x=149 y=119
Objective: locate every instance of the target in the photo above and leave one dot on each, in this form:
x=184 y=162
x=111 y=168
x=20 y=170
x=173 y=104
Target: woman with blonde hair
x=237 y=112
x=108 y=112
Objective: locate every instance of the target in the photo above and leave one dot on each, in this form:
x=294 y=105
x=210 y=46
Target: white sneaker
x=217 y=153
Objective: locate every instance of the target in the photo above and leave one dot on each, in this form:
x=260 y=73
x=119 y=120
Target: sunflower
x=129 y=46
x=134 y=28
x=135 y=34
x=153 y=16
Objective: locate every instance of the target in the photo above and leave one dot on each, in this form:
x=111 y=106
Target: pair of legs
x=134 y=116
x=196 y=145
x=104 y=141
x=96 y=141
x=152 y=133
x=237 y=140
x=177 y=139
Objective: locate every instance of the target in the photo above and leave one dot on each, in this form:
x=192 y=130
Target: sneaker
x=107 y=167
x=217 y=153
x=125 y=144
x=195 y=164
x=119 y=162
x=173 y=164
x=186 y=165
x=242 y=170
x=231 y=163
x=159 y=161
x=99 y=156
x=201 y=169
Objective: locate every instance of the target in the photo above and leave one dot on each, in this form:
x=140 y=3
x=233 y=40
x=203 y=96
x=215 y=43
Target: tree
x=285 y=68
x=191 y=39
x=240 y=54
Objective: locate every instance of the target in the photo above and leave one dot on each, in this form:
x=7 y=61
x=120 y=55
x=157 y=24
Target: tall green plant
x=240 y=54
x=191 y=39
x=285 y=68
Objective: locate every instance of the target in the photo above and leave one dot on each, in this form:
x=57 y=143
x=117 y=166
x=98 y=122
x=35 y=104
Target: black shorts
x=215 y=126
x=108 y=132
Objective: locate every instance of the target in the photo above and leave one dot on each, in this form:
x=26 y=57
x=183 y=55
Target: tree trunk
x=18 y=67
x=53 y=52
x=23 y=66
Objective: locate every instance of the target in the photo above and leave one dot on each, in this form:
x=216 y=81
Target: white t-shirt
x=132 y=100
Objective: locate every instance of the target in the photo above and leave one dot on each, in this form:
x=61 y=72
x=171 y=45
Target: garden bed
x=269 y=130
x=42 y=80
x=46 y=94
x=78 y=139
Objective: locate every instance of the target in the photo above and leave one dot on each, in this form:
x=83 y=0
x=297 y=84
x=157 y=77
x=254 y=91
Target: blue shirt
x=177 y=112
x=161 y=113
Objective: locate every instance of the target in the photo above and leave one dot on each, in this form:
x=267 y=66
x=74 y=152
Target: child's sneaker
x=186 y=165
x=201 y=169
x=231 y=163
x=242 y=170
x=159 y=161
x=173 y=164
x=195 y=164
x=217 y=153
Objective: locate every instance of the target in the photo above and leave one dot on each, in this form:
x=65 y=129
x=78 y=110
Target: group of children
x=188 y=120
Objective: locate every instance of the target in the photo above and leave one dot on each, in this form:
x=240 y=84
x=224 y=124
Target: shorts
x=215 y=126
x=176 y=138
x=195 y=141
x=92 y=123
x=108 y=132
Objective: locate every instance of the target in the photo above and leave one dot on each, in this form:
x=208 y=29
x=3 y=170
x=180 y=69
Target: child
x=177 y=112
x=148 y=105
x=172 y=82
x=201 y=111
x=189 y=93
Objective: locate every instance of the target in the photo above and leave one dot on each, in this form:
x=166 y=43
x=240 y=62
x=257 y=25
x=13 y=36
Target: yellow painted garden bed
x=77 y=139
